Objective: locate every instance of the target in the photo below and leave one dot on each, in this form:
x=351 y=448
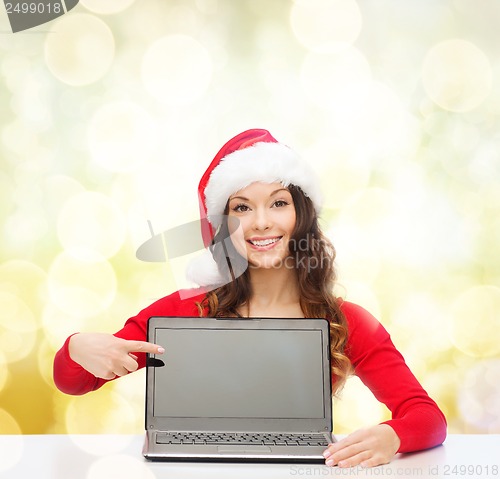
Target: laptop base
x=153 y=451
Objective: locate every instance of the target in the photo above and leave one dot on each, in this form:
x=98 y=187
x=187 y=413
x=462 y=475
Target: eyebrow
x=246 y=199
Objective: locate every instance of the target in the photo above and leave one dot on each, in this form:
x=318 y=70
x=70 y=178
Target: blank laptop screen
x=234 y=373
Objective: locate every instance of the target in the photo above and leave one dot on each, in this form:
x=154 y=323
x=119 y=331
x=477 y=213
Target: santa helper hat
x=252 y=156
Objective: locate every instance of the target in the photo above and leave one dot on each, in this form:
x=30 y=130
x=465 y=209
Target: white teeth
x=264 y=242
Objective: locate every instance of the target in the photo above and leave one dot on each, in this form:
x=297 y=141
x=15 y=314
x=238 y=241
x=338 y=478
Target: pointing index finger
x=144 y=347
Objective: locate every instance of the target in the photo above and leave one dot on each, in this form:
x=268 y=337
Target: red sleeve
x=71 y=378
x=416 y=418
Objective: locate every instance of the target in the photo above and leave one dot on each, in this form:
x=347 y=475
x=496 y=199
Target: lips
x=264 y=242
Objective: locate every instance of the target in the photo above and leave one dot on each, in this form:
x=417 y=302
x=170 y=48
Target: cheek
x=238 y=239
x=290 y=223
x=233 y=224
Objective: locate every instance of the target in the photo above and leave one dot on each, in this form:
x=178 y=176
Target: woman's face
x=266 y=216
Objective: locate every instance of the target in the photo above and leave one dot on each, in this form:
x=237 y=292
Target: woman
x=259 y=207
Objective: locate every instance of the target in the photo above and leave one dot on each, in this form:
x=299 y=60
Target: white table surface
x=120 y=456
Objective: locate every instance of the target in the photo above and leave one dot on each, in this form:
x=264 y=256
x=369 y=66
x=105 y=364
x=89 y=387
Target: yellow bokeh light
x=160 y=205
x=388 y=129
x=132 y=387
x=12 y=446
x=14 y=66
x=26 y=225
x=122 y=136
x=343 y=168
x=8 y=425
x=6 y=192
x=91 y=227
x=325 y=25
x=359 y=293
x=108 y=7
x=58 y=325
x=370 y=210
x=479 y=397
x=45 y=360
x=4 y=370
x=80 y=49
x=26 y=280
x=356 y=408
x=176 y=70
x=31 y=103
x=57 y=191
x=354 y=261
x=475 y=321
x=360 y=234
x=115 y=414
x=132 y=99
x=383 y=223
x=81 y=288
x=122 y=466
x=457 y=75
x=18 y=327
x=441 y=383
x=338 y=82
x=419 y=321
x=18 y=139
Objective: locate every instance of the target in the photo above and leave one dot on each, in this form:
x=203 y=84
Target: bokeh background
x=110 y=114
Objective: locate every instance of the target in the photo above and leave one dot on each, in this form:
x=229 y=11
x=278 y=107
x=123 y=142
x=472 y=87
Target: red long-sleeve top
x=416 y=418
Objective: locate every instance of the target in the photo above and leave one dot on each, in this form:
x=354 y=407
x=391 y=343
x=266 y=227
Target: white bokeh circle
x=457 y=75
x=343 y=170
x=81 y=288
x=80 y=49
x=337 y=82
x=176 y=70
x=116 y=415
x=474 y=321
x=122 y=136
x=326 y=25
x=479 y=396
x=58 y=325
x=91 y=227
x=108 y=7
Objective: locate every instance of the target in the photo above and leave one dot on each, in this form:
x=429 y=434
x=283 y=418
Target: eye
x=240 y=208
x=280 y=203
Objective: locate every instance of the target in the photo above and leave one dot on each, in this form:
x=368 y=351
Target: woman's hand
x=366 y=447
x=106 y=356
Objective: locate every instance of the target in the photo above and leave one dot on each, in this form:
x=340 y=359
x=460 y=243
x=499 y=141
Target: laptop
x=254 y=390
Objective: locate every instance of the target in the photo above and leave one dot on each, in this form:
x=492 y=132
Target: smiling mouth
x=264 y=242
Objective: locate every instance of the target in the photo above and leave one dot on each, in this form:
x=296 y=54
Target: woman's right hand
x=106 y=356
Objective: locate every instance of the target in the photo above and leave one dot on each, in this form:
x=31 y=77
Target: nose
x=262 y=220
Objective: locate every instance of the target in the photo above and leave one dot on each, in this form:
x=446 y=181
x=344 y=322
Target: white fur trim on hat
x=203 y=271
x=266 y=162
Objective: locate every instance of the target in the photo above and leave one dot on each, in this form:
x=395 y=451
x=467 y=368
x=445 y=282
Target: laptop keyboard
x=220 y=438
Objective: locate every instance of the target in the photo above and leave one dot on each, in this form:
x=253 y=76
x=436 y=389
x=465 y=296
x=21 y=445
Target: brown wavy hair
x=314 y=258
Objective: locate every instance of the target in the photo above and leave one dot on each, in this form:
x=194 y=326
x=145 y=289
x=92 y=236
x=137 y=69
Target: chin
x=267 y=263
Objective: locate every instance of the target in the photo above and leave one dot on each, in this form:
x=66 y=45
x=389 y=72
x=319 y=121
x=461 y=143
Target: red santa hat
x=254 y=155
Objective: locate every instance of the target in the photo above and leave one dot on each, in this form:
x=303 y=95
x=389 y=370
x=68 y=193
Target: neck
x=273 y=288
